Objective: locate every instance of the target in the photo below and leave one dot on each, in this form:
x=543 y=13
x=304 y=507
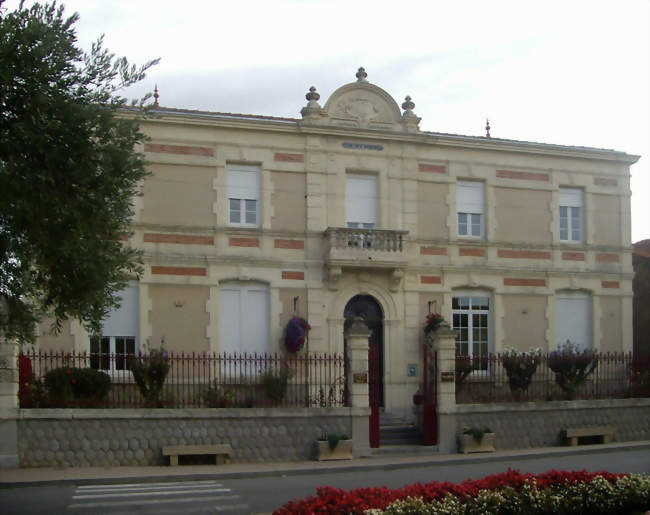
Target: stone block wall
x=538 y=424
x=85 y=438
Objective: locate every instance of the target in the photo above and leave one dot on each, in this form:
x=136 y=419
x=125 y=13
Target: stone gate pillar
x=356 y=341
x=445 y=345
x=8 y=404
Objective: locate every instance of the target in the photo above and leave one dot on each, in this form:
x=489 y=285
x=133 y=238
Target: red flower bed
x=335 y=500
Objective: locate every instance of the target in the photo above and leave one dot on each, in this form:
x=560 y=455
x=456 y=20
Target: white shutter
x=229 y=319
x=571 y=197
x=573 y=319
x=361 y=199
x=243 y=182
x=469 y=197
x=256 y=327
x=124 y=320
x=244 y=317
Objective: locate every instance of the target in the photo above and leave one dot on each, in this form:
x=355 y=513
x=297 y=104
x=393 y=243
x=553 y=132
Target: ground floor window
x=119 y=333
x=573 y=319
x=471 y=318
x=244 y=317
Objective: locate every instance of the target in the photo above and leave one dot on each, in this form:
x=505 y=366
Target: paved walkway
x=50 y=475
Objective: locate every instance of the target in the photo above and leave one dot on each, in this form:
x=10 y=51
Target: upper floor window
x=244 y=195
x=119 y=339
x=361 y=201
x=470 y=206
x=571 y=214
x=471 y=318
x=244 y=317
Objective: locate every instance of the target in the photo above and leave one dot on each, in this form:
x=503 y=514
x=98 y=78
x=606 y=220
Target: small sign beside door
x=360 y=378
x=447 y=377
x=412 y=370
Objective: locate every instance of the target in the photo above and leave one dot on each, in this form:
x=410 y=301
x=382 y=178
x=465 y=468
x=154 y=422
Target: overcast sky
x=567 y=72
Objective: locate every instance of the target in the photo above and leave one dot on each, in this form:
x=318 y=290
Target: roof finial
x=312 y=95
x=487 y=128
x=408 y=105
x=361 y=74
x=155 y=96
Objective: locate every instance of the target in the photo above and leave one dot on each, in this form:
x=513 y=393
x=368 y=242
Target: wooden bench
x=572 y=434
x=220 y=451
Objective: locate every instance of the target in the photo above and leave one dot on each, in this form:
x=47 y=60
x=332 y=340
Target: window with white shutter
x=571 y=214
x=244 y=195
x=244 y=317
x=361 y=199
x=573 y=319
x=470 y=207
x=119 y=333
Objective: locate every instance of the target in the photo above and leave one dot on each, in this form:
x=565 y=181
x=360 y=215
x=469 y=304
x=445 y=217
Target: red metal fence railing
x=485 y=379
x=193 y=380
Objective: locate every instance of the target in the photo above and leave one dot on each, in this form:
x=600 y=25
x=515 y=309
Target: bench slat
x=589 y=431
x=171 y=450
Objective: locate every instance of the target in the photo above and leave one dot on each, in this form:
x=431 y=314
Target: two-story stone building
x=352 y=209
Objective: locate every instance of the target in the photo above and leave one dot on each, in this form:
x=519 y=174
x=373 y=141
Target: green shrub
x=571 y=367
x=275 y=384
x=149 y=373
x=76 y=387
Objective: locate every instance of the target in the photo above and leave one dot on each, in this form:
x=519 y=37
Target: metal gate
x=430 y=392
x=375 y=388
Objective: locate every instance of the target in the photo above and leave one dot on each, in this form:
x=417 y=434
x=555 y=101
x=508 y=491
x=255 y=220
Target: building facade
x=351 y=209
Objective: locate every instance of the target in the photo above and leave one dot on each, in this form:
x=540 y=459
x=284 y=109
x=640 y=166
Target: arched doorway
x=366 y=307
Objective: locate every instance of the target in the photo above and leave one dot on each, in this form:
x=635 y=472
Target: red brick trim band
x=603 y=181
x=430 y=279
x=524 y=254
x=433 y=251
x=289 y=244
x=524 y=282
x=465 y=251
x=573 y=256
x=243 y=242
x=423 y=167
x=178 y=149
x=607 y=258
x=610 y=284
x=298 y=276
x=524 y=176
x=289 y=158
x=183 y=239
x=178 y=270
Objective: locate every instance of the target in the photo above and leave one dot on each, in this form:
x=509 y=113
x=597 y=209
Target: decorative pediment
x=360 y=105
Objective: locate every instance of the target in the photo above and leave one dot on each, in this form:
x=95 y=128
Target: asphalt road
x=263 y=494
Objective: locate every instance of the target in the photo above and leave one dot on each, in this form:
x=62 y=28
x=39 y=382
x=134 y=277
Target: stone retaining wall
x=538 y=424
x=84 y=438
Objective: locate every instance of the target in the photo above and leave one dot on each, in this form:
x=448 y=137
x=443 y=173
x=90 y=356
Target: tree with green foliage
x=69 y=170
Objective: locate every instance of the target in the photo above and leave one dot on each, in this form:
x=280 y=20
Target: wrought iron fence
x=193 y=380
x=487 y=379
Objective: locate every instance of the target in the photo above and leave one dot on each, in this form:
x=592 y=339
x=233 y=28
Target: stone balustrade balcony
x=366 y=248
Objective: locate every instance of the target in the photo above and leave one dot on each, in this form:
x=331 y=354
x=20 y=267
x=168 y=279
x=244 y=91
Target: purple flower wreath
x=296 y=333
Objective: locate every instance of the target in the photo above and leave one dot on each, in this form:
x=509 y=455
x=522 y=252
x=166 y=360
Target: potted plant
x=572 y=367
x=333 y=446
x=520 y=368
x=476 y=439
x=296 y=333
x=149 y=373
x=433 y=322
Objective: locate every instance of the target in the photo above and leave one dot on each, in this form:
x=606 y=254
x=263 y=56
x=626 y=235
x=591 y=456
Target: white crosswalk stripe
x=178 y=496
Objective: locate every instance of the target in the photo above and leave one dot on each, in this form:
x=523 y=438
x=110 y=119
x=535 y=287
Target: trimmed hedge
x=511 y=493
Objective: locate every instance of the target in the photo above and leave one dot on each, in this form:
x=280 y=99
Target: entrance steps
x=400 y=437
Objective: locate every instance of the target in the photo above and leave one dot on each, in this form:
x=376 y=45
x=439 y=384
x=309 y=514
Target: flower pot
x=342 y=451
x=467 y=443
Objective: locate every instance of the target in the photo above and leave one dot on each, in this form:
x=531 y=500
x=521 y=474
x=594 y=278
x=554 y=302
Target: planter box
x=467 y=443
x=343 y=451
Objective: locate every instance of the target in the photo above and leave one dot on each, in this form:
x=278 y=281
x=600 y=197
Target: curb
x=359 y=465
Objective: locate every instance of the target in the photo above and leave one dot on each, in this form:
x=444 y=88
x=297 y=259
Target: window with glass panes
x=118 y=341
x=471 y=318
x=243 y=195
x=470 y=209
x=571 y=209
